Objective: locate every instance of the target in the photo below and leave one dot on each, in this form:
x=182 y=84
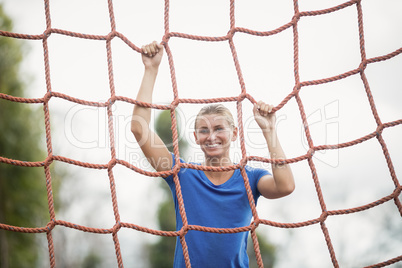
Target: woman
x=211 y=199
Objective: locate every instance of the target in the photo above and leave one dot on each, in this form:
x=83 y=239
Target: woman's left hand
x=264 y=117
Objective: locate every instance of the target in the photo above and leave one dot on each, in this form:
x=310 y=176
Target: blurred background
x=337 y=112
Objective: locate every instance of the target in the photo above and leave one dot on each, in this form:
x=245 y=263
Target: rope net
x=298 y=86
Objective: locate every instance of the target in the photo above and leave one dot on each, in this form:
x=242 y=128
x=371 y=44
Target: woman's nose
x=211 y=135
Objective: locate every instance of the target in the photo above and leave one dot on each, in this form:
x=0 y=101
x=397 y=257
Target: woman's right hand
x=152 y=55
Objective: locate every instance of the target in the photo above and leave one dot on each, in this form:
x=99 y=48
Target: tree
x=267 y=251
x=23 y=197
x=162 y=252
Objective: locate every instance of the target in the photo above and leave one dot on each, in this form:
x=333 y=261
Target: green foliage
x=267 y=251
x=23 y=196
x=162 y=253
x=163 y=126
x=92 y=260
x=166 y=213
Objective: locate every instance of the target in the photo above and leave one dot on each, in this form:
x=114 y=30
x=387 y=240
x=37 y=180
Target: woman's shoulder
x=174 y=159
x=183 y=162
x=257 y=171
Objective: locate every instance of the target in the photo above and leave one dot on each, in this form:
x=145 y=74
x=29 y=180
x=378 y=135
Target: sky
x=336 y=112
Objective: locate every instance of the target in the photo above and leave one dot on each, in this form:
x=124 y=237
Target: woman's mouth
x=212 y=145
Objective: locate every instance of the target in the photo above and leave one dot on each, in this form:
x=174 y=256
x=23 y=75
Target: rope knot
x=379 y=130
x=47 y=96
x=323 y=216
x=111 y=35
x=111 y=163
x=243 y=163
x=47 y=33
x=112 y=100
x=109 y=103
x=174 y=104
x=176 y=168
x=165 y=39
x=231 y=33
x=116 y=227
x=184 y=230
x=50 y=226
x=296 y=18
x=311 y=152
x=49 y=160
x=363 y=66
x=241 y=97
x=254 y=224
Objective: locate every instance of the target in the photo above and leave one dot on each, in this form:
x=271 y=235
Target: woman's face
x=214 y=135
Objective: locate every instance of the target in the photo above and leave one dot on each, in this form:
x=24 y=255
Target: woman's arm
x=151 y=145
x=281 y=183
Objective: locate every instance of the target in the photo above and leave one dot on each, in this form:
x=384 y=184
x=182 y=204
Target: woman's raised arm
x=281 y=183
x=151 y=144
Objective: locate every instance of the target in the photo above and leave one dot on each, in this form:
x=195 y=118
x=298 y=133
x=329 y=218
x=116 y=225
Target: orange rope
x=298 y=85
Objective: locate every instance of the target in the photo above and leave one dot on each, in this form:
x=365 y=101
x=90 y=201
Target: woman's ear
x=235 y=131
x=196 y=139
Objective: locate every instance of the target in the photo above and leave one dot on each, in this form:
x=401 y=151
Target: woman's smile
x=214 y=145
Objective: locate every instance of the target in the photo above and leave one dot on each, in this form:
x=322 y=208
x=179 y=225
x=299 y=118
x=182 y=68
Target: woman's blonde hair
x=218 y=109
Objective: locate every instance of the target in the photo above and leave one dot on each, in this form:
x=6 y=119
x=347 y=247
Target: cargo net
x=298 y=86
